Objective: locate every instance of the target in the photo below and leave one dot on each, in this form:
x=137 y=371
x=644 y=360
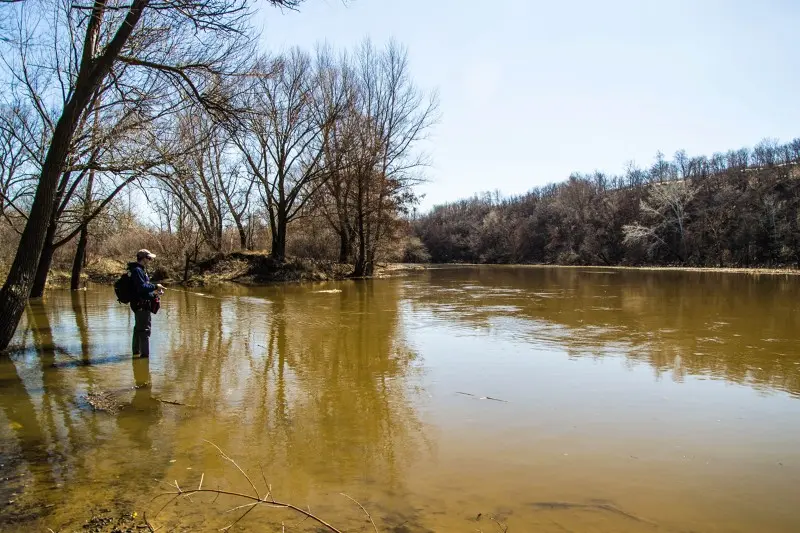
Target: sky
x=532 y=91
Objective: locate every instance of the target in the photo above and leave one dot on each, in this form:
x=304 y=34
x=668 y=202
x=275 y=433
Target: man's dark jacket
x=145 y=291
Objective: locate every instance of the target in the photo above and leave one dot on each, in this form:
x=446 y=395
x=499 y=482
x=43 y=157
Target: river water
x=454 y=399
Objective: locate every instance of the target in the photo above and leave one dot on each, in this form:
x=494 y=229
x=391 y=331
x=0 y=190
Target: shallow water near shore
x=453 y=399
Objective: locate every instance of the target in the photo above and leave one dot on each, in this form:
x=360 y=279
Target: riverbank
x=249 y=268
x=257 y=268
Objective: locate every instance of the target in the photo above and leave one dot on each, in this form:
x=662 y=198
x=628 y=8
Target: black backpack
x=124 y=288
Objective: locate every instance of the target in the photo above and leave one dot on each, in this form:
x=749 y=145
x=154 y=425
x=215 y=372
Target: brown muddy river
x=456 y=399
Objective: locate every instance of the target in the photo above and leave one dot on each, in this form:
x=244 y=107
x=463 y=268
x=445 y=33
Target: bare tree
x=667 y=210
x=634 y=176
x=16 y=181
x=336 y=199
x=738 y=159
x=204 y=178
x=393 y=115
x=794 y=150
x=717 y=163
x=686 y=166
x=179 y=41
x=79 y=260
x=766 y=153
x=292 y=113
x=177 y=227
x=661 y=170
x=110 y=150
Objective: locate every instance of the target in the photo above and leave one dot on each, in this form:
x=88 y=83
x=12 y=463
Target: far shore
x=730 y=270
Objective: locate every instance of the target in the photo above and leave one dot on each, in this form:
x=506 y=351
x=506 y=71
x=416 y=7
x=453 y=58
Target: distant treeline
x=739 y=208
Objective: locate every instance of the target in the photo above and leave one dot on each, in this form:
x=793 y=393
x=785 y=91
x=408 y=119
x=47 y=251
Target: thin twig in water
x=495 y=399
x=362 y=508
x=598 y=506
x=162 y=482
x=225 y=456
x=258 y=501
x=173 y=402
x=149 y=526
x=179 y=490
x=266 y=484
x=503 y=527
x=241 y=517
x=241 y=507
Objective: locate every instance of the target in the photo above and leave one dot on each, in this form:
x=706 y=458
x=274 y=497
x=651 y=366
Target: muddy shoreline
x=242 y=268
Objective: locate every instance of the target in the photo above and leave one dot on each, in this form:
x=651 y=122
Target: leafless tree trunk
x=80 y=252
x=202 y=178
x=336 y=199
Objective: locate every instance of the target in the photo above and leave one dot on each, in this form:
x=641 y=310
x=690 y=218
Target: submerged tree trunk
x=361 y=267
x=40 y=279
x=45 y=262
x=78 y=262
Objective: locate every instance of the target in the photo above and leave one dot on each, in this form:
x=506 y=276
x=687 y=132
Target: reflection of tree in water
x=198 y=351
x=737 y=326
x=64 y=449
x=351 y=413
x=79 y=305
x=311 y=385
x=47 y=438
x=23 y=448
x=63 y=431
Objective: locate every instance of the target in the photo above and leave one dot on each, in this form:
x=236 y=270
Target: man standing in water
x=145 y=293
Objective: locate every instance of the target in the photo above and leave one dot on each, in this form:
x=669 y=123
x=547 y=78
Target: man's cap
x=141 y=254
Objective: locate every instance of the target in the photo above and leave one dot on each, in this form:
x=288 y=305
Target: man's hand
x=160 y=288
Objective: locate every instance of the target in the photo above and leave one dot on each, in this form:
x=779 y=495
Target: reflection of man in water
x=137 y=418
x=141 y=379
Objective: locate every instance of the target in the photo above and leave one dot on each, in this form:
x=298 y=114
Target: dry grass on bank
x=259 y=267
